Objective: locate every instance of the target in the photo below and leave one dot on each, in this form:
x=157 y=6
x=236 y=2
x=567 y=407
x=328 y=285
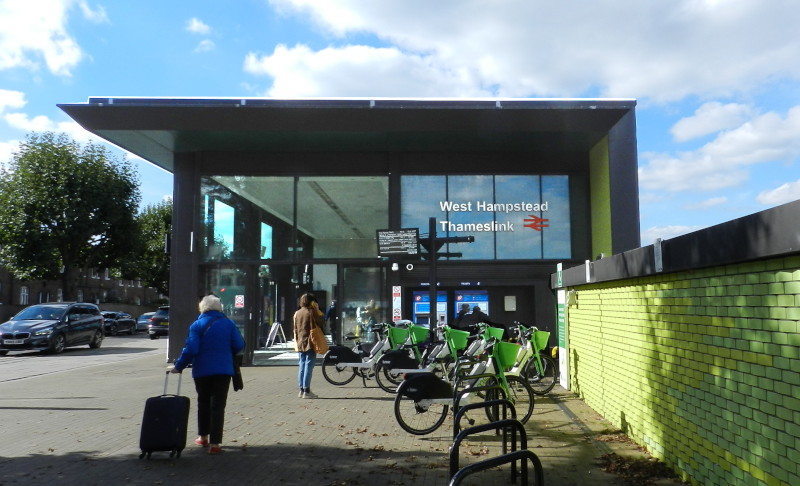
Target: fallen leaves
x=636 y=471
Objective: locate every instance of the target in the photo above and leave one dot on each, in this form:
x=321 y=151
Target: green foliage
x=63 y=207
x=152 y=260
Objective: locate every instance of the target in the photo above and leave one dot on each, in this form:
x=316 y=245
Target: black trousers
x=212 y=396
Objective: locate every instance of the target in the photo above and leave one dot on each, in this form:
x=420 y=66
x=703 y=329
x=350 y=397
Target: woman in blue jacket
x=213 y=340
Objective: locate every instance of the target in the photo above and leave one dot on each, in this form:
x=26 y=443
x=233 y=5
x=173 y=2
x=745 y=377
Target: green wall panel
x=700 y=367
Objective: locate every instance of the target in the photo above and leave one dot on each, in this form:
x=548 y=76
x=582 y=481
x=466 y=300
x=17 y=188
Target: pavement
x=81 y=427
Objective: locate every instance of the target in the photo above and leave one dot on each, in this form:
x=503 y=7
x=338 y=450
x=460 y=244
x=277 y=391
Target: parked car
x=116 y=323
x=143 y=321
x=159 y=323
x=52 y=327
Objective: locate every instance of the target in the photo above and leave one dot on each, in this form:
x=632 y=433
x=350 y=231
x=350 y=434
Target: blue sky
x=717 y=82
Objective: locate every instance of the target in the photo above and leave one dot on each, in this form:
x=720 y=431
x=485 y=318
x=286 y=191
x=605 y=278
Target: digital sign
x=404 y=241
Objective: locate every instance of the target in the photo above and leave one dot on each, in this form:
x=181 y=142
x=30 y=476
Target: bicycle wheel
x=544 y=381
x=387 y=379
x=419 y=417
x=520 y=393
x=337 y=374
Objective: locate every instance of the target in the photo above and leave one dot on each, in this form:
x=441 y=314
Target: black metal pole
x=432 y=251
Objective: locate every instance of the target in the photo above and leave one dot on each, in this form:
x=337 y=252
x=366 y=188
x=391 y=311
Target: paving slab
x=81 y=427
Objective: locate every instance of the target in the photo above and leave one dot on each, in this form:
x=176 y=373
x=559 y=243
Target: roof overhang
x=157 y=128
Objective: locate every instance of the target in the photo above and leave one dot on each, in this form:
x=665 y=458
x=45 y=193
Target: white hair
x=209 y=303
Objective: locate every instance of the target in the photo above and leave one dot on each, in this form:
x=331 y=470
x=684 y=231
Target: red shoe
x=215 y=450
x=201 y=442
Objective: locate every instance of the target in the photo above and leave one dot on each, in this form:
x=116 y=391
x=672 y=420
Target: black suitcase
x=164 y=424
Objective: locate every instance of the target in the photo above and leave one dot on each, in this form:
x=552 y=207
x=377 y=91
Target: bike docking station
x=479 y=381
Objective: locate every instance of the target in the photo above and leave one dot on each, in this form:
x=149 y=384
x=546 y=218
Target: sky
x=717 y=82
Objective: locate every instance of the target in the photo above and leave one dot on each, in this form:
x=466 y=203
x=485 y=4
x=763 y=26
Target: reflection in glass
x=465 y=193
x=558 y=243
x=256 y=217
x=512 y=217
x=524 y=242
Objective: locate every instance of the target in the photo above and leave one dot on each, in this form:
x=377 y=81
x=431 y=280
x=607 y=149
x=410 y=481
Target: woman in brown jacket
x=306 y=317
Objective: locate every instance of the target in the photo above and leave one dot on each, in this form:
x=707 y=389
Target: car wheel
x=132 y=330
x=97 y=340
x=112 y=331
x=58 y=343
x=153 y=336
x=3 y=352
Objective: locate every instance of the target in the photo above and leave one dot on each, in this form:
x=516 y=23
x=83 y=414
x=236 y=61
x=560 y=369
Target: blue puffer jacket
x=211 y=353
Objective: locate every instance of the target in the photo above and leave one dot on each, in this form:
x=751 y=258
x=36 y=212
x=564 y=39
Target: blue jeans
x=307 y=361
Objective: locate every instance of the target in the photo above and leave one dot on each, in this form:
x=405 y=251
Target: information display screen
x=404 y=241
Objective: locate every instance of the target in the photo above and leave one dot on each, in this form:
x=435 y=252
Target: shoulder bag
x=318 y=341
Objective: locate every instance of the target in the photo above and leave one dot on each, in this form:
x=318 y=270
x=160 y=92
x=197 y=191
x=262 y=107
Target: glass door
x=364 y=301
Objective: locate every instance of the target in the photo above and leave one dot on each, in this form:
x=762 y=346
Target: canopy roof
x=157 y=128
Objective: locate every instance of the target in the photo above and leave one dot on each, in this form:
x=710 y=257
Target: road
x=18 y=365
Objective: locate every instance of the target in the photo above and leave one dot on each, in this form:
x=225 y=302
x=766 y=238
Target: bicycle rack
x=506 y=404
x=473 y=389
x=512 y=457
x=513 y=424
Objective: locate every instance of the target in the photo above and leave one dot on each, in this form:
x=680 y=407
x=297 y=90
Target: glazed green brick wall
x=702 y=368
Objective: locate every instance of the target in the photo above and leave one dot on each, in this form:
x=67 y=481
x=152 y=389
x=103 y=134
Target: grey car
x=144 y=321
x=52 y=327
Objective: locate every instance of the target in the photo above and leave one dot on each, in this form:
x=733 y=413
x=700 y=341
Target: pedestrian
x=331 y=317
x=212 y=342
x=307 y=316
x=460 y=322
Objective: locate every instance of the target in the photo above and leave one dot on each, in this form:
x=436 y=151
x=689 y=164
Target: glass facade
x=265 y=240
x=512 y=217
x=299 y=218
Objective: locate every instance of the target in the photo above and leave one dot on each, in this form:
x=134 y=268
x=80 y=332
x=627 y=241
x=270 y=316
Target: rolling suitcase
x=164 y=424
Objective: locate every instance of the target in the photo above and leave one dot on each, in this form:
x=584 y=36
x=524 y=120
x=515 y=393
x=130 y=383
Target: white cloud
x=197 y=26
x=665 y=232
x=708 y=203
x=357 y=71
x=41 y=123
x=33 y=31
x=783 y=194
x=6 y=150
x=205 y=46
x=724 y=161
x=97 y=15
x=710 y=118
x=663 y=50
x=11 y=99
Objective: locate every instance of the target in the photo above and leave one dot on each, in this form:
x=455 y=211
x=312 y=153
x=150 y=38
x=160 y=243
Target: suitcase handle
x=166 y=380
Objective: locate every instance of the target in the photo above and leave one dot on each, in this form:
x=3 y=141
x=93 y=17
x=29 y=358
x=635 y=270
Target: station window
x=282 y=218
x=511 y=217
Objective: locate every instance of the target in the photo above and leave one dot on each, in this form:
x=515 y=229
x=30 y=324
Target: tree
x=64 y=207
x=151 y=263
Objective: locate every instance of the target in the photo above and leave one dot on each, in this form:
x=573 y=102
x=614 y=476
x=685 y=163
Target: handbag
x=318 y=341
x=238 y=381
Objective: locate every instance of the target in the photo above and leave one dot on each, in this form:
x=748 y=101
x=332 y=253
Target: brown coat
x=303 y=320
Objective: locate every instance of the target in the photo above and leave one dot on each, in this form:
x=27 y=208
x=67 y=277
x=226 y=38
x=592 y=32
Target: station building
x=277 y=197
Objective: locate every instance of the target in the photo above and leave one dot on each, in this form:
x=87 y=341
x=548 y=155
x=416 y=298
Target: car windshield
x=41 y=312
x=164 y=313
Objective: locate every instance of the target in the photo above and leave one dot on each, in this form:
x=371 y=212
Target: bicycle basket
x=457 y=339
x=397 y=336
x=494 y=332
x=505 y=353
x=540 y=339
x=418 y=333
